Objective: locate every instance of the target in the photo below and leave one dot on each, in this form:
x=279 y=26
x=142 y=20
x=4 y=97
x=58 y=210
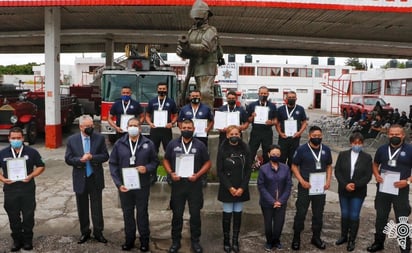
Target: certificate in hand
x=200 y=127
x=262 y=114
x=317 y=183
x=220 y=120
x=389 y=178
x=233 y=118
x=291 y=127
x=16 y=169
x=123 y=121
x=185 y=165
x=160 y=118
x=131 y=178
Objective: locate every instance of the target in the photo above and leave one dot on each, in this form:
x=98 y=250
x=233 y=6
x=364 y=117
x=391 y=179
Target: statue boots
x=237 y=219
x=226 y=220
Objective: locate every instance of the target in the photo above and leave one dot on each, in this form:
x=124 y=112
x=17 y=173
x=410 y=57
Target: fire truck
x=142 y=73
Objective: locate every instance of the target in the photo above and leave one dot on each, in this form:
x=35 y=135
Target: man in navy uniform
x=294 y=116
x=136 y=151
x=161 y=134
x=262 y=133
x=395 y=158
x=20 y=195
x=310 y=160
x=186 y=188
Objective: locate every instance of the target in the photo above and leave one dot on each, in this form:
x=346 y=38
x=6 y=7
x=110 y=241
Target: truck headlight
x=14 y=119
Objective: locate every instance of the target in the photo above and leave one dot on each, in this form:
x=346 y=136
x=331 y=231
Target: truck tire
x=31 y=133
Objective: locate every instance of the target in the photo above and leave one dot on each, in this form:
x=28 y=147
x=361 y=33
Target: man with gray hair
x=86 y=152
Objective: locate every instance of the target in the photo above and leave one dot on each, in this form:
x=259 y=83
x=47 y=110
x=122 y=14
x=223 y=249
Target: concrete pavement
x=57 y=228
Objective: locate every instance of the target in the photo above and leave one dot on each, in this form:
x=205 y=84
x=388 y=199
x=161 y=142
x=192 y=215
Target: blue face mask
x=357 y=148
x=125 y=98
x=16 y=143
x=274 y=159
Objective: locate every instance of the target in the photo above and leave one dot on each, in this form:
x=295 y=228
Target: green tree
x=354 y=62
x=14 y=69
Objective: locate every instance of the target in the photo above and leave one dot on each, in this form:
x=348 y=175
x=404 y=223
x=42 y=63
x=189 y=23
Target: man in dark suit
x=353 y=170
x=86 y=151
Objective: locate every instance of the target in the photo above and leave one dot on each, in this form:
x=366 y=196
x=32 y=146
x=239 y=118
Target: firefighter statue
x=201 y=46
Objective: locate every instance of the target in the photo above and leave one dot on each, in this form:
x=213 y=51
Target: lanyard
x=133 y=150
x=287 y=111
x=161 y=104
x=187 y=151
x=228 y=109
x=125 y=108
x=14 y=154
x=195 y=112
x=317 y=158
x=394 y=154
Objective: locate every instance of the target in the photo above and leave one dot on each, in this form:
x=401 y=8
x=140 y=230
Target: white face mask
x=133 y=131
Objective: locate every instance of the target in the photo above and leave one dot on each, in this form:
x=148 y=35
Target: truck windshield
x=372 y=101
x=144 y=86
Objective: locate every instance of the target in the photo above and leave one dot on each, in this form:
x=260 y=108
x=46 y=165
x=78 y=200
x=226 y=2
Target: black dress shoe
x=375 y=247
x=341 y=240
x=100 y=238
x=196 y=247
x=295 y=245
x=144 y=248
x=83 y=238
x=174 y=248
x=16 y=247
x=28 y=246
x=127 y=247
x=318 y=243
x=351 y=246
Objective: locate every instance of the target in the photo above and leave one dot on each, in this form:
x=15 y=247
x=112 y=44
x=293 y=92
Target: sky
x=68 y=59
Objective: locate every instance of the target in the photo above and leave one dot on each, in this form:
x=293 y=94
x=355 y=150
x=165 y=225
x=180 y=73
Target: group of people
x=187 y=161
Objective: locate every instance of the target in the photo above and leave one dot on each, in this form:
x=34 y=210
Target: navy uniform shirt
x=169 y=106
x=240 y=109
x=33 y=159
x=203 y=112
x=304 y=158
x=271 y=116
x=403 y=159
x=117 y=109
x=198 y=149
x=297 y=114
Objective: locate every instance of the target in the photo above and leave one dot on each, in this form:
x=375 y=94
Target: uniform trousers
x=260 y=135
x=288 y=147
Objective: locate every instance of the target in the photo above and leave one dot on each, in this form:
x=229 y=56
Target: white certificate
x=291 y=127
x=16 y=169
x=220 y=120
x=389 y=178
x=317 y=183
x=160 y=118
x=233 y=119
x=262 y=114
x=200 y=127
x=131 y=179
x=185 y=165
x=123 y=121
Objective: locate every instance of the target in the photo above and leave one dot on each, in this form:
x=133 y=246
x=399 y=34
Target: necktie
x=89 y=169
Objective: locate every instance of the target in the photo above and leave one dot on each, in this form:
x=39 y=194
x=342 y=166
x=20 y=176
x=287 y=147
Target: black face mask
x=263 y=98
x=395 y=141
x=234 y=139
x=195 y=101
x=187 y=134
x=88 y=131
x=231 y=102
x=162 y=93
x=316 y=141
x=291 y=101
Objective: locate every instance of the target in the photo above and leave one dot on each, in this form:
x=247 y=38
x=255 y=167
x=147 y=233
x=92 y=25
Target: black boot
x=226 y=220
x=354 y=226
x=378 y=244
x=296 y=241
x=237 y=220
x=344 y=228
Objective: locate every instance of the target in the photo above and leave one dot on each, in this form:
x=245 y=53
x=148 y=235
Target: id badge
x=392 y=163
x=132 y=160
x=318 y=166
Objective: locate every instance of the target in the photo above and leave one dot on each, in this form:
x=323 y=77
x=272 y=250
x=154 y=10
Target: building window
x=246 y=71
x=320 y=72
x=179 y=70
x=372 y=87
x=290 y=72
x=268 y=71
x=357 y=88
x=409 y=87
x=398 y=87
x=303 y=72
